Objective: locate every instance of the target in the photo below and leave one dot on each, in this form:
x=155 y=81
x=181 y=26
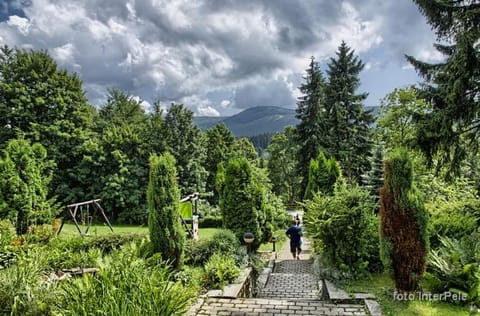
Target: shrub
x=220 y=270
x=455 y=267
x=222 y=242
x=403 y=233
x=211 y=221
x=166 y=233
x=345 y=229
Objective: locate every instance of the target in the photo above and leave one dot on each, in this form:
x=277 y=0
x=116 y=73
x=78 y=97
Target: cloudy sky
x=218 y=57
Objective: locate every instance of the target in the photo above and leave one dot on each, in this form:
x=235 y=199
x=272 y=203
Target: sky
x=219 y=57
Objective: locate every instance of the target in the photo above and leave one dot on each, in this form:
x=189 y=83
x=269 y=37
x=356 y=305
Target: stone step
x=276 y=307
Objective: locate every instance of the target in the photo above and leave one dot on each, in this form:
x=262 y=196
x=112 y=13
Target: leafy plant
x=124 y=285
x=220 y=270
x=344 y=229
x=455 y=267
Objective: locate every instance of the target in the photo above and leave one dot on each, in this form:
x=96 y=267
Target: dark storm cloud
x=213 y=55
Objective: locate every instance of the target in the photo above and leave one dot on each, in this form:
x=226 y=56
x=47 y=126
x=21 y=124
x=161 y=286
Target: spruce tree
x=372 y=180
x=403 y=220
x=311 y=114
x=451 y=127
x=348 y=137
x=163 y=195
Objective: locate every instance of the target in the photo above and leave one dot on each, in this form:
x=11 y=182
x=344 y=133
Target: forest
x=396 y=193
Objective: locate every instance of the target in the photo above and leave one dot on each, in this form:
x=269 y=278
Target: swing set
x=81 y=212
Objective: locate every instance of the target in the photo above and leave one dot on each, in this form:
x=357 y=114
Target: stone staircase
x=292 y=289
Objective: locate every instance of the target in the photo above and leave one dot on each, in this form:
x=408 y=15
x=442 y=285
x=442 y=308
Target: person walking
x=294 y=233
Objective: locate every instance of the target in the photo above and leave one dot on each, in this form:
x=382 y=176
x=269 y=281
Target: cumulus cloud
x=215 y=56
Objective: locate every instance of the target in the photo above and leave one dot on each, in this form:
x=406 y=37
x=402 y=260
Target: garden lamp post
x=248 y=238
x=274 y=240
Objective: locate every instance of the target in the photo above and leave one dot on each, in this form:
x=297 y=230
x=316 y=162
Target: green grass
x=70 y=229
x=383 y=287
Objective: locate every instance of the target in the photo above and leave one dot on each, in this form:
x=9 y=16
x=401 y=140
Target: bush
x=211 y=222
x=455 y=267
x=220 y=270
x=345 y=229
x=223 y=242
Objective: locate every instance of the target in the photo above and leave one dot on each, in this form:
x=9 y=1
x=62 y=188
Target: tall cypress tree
x=403 y=231
x=348 y=138
x=311 y=114
x=451 y=87
x=163 y=195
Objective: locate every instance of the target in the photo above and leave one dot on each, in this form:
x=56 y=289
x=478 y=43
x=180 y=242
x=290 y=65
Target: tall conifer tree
x=348 y=138
x=310 y=112
x=452 y=87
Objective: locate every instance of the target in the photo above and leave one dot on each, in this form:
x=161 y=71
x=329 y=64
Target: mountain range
x=254 y=121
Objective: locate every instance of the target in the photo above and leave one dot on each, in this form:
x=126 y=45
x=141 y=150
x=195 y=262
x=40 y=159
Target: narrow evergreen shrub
x=403 y=233
x=163 y=195
x=323 y=172
x=240 y=202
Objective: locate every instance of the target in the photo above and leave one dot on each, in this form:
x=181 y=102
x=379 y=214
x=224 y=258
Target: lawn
x=70 y=229
x=382 y=286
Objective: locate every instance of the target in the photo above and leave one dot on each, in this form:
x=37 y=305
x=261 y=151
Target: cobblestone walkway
x=292 y=289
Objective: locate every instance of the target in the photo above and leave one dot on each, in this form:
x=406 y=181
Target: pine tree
x=403 y=231
x=348 y=137
x=451 y=127
x=166 y=233
x=311 y=114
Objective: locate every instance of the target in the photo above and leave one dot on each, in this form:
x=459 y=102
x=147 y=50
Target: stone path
x=292 y=289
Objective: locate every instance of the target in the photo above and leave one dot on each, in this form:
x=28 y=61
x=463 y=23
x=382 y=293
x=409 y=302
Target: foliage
x=44 y=104
x=24 y=179
x=454 y=208
x=322 y=175
x=403 y=233
x=239 y=200
x=223 y=242
x=372 y=180
x=348 y=124
x=163 y=195
x=261 y=142
x=311 y=114
x=344 y=229
x=185 y=142
x=242 y=147
x=282 y=165
x=395 y=123
x=220 y=270
x=455 y=267
x=124 y=285
x=218 y=142
x=450 y=127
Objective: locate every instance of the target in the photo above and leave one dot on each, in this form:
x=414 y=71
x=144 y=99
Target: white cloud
x=22 y=24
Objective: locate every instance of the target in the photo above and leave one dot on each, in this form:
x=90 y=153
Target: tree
x=322 y=176
x=242 y=147
x=348 y=137
x=219 y=140
x=403 y=232
x=239 y=200
x=45 y=104
x=184 y=141
x=311 y=114
x=395 y=124
x=373 y=180
x=163 y=197
x=25 y=173
x=282 y=165
x=450 y=128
